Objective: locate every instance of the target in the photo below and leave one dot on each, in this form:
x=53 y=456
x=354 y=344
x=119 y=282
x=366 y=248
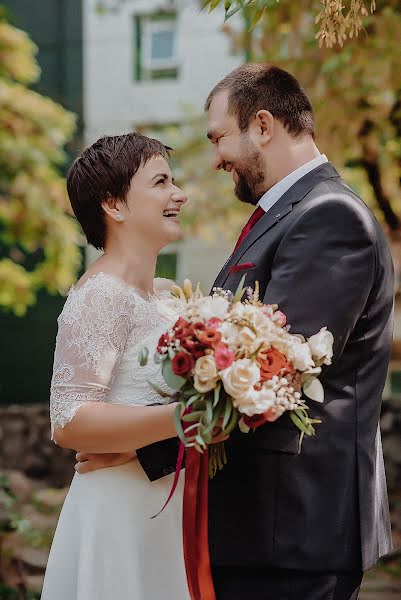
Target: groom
x=284 y=525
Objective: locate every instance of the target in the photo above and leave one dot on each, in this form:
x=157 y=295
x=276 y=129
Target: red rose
x=275 y=363
x=223 y=356
x=182 y=363
x=182 y=329
x=194 y=347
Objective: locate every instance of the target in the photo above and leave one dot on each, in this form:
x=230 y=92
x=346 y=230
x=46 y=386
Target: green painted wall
x=27 y=344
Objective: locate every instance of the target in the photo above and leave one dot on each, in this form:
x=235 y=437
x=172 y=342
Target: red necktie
x=254 y=218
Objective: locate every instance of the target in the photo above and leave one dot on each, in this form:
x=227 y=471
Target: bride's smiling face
x=152 y=206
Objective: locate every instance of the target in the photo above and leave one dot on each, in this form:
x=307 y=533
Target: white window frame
x=149 y=28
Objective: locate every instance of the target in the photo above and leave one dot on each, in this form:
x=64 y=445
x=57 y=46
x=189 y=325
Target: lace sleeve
x=94 y=326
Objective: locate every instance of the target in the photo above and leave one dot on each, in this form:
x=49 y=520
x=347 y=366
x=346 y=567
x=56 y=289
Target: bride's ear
x=112 y=208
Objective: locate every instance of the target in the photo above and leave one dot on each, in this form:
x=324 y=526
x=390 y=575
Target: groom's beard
x=249 y=187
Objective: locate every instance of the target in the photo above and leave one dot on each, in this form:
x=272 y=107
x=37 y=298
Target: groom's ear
x=264 y=122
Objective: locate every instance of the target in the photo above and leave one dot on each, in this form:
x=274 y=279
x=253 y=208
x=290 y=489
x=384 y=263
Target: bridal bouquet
x=234 y=361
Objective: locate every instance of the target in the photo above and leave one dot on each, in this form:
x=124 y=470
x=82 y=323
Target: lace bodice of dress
x=102 y=328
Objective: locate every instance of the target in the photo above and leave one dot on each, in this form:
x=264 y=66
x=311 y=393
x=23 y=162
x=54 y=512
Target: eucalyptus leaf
x=216 y=395
x=159 y=358
x=200 y=440
x=227 y=413
x=178 y=424
x=232 y=422
x=174 y=381
x=209 y=410
x=193 y=416
x=313 y=389
x=143 y=357
x=192 y=399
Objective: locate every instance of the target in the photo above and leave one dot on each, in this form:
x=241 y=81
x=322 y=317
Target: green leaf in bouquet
x=227 y=413
x=188 y=390
x=192 y=416
x=206 y=434
x=174 y=381
x=209 y=410
x=232 y=422
x=298 y=422
x=159 y=358
x=178 y=424
x=199 y=439
x=240 y=291
x=171 y=353
x=143 y=356
x=192 y=400
x=216 y=395
x=313 y=389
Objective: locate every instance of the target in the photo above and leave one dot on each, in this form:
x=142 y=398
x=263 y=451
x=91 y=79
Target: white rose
x=255 y=402
x=240 y=377
x=206 y=375
x=230 y=335
x=248 y=340
x=321 y=345
x=300 y=356
x=209 y=307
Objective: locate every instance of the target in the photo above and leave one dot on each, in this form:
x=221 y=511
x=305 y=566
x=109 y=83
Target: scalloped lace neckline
x=151 y=297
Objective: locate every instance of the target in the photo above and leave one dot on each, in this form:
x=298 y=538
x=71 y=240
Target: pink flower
x=279 y=318
x=223 y=356
x=213 y=323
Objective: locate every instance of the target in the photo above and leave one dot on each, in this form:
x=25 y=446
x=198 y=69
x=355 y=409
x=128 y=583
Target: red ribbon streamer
x=180 y=458
x=195 y=526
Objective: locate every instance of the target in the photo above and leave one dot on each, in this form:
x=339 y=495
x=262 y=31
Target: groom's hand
x=87 y=462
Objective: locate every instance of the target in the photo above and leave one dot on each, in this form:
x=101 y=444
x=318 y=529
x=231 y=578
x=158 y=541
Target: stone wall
x=25 y=444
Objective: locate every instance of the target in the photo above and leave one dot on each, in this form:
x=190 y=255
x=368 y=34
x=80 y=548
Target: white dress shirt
x=269 y=199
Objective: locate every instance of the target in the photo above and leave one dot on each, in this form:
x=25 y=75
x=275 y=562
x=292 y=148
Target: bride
x=106 y=545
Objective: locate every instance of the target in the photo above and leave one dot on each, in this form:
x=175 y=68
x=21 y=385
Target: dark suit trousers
x=259 y=583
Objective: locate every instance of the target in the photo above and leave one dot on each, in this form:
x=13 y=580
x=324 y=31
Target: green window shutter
x=138 y=48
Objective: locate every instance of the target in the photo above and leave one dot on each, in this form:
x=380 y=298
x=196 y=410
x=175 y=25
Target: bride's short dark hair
x=104 y=170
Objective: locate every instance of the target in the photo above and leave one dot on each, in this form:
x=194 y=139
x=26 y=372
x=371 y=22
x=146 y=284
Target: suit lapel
x=283 y=207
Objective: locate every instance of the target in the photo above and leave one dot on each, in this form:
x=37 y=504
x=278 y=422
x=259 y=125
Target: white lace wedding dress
x=106 y=545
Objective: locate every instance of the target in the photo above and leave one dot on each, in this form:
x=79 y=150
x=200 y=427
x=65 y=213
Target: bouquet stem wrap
x=195 y=526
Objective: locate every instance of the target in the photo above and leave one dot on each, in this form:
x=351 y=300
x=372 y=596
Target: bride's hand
x=87 y=462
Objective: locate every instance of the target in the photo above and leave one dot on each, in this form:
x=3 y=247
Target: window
x=156 y=52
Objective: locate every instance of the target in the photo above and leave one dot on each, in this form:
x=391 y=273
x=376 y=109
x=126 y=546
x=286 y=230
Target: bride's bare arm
x=97 y=322
x=99 y=427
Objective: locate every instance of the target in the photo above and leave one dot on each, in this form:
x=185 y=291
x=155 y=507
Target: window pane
x=162 y=45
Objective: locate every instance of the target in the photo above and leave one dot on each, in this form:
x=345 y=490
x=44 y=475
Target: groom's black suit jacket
x=322 y=257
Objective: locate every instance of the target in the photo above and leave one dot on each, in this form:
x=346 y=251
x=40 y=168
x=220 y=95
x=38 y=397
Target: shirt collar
x=269 y=199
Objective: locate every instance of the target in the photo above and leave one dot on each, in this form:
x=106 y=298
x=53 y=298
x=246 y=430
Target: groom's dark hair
x=261 y=86
x=105 y=170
